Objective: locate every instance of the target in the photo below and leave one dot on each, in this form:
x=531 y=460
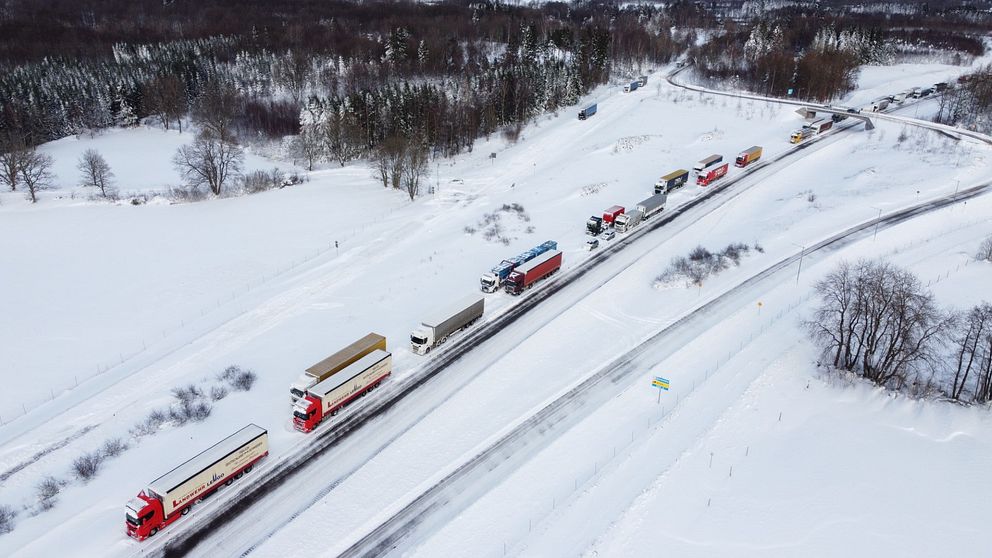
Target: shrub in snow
x=150 y=426
x=187 y=394
x=86 y=466
x=47 y=491
x=238 y=378
x=7 y=515
x=187 y=411
x=701 y=263
x=114 y=447
x=217 y=393
x=985 y=250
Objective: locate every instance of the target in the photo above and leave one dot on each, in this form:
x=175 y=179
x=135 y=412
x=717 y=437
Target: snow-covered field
x=110 y=306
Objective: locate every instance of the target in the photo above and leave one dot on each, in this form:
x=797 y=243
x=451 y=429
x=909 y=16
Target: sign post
x=661 y=384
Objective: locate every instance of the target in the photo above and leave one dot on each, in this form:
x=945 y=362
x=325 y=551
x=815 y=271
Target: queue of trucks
x=357 y=369
x=809 y=130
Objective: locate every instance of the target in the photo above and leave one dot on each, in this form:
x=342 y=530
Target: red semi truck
x=611 y=214
x=328 y=397
x=171 y=496
x=533 y=271
x=709 y=175
x=748 y=156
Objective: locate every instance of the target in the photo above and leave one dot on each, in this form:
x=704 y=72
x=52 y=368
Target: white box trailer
x=182 y=485
x=652 y=205
x=436 y=330
x=707 y=162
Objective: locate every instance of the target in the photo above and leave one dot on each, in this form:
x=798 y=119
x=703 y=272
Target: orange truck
x=748 y=156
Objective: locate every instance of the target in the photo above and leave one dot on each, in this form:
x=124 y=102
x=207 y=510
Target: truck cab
x=143 y=516
x=490 y=282
x=307 y=414
x=421 y=340
x=298 y=389
x=594 y=225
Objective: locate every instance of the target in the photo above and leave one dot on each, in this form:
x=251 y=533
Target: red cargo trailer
x=533 y=271
x=611 y=214
x=708 y=176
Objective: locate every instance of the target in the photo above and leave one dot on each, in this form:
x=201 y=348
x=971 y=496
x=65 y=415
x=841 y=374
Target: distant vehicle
x=587 y=112
x=899 y=97
x=632 y=86
x=541 y=267
x=711 y=174
x=171 y=496
x=854 y=110
x=652 y=206
x=610 y=215
x=642 y=80
x=927 y=91
x=491 y=282
x=594 y=225
x=748 y=156
x=437 y=330
x=820 y=126
x=608 y=234
x=629 y=220
x=916 y=92
x=671 y=181
x=335 y=363
x=592 y=244
x=838 y=117
x=330 y=396
x=942 y=86
x=707 y=162
x=801 y=134
x=880 y=105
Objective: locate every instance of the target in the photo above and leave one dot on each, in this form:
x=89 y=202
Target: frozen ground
x=190 y=289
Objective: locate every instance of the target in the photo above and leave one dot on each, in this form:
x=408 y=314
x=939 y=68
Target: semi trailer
x=436 y=331
x=172 y=495
x=800 y=134
x=525 y=276
x=587 y=112
x=632 y=86
x=642 y=80
x=629 y=220
x=707 y=162
x=748 y=156
x=334 y=363
x=492 y=281
x=652 y=206
x=610 y=215
x=671 y=181
x=706 y=177
x=328 y=397
x=820 y=126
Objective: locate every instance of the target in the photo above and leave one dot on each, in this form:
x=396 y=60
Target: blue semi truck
x=494 y=279
x=587 y=112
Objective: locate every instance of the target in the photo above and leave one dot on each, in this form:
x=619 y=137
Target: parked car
x=608 y=234
x=592 y=244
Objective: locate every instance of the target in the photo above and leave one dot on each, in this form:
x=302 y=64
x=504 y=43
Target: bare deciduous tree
x=877 y=320
x=36 y=173
x=415 y=167
x=216 y=110
x=95 y=172
x=972 y=346
x=166 y=97
x=208 y=161
x=12 y=155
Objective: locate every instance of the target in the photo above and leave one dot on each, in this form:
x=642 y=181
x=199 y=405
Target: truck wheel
x=334 y=413
x=185 y=511
x=248 y=469
x=152 y=532
x=239 y=475
x=229 y=482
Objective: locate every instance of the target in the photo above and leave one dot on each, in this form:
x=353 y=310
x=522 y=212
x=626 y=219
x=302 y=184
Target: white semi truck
x=436 y=330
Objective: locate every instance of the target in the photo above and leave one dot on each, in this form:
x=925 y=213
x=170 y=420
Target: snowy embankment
x=392 y=267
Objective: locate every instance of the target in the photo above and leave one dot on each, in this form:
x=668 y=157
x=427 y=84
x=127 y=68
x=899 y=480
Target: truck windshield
x=132 y=519
x=300 y=415
x=417 y=340
x=296 y=392
x=487 y=282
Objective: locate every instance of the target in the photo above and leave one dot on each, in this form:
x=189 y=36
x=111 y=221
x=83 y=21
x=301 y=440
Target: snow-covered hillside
x=111 y=306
